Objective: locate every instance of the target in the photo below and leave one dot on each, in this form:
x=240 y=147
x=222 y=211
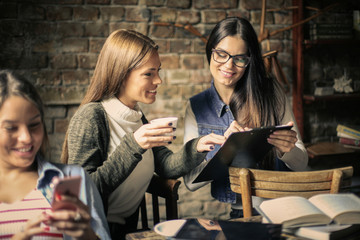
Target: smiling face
x=141 y=84
x=227 y=74
x=21 y=132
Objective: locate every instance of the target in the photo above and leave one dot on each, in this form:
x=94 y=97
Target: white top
x=14 y=216
x=127 y=196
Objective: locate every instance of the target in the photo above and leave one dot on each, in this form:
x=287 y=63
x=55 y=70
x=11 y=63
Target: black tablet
x=241 y=149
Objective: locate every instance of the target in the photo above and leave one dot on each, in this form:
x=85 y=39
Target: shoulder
x=70 y=169
x=202 y=96
x=93 y=108
x=90 y=112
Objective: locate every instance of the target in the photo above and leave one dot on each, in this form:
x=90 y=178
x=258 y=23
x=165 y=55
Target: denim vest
x=214 y=116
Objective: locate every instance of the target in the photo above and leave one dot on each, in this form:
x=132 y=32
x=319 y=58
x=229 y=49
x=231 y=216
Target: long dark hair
x=258 y=99
x=12 y=84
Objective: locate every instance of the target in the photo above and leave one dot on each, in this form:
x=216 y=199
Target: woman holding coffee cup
x=110 y=137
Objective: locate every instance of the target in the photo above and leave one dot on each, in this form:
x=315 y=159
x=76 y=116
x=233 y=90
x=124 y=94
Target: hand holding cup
x=168 y=121
x=159 y=132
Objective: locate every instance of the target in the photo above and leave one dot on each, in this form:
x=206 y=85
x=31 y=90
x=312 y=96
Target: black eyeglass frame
x=231 y=56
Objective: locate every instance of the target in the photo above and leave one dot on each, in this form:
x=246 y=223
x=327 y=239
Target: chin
x=149 y=101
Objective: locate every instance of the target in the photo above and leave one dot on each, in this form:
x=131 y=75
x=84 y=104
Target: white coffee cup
x=167 y=120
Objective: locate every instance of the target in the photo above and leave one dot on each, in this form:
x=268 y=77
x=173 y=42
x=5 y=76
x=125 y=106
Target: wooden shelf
x=334 y=97
x=315 y=48
x=326 y=155
x=340 y=42
x=327 y=148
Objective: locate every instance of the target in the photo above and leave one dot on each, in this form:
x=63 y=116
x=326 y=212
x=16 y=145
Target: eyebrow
x=31 y=119
x=242 y=54
x=154 y=69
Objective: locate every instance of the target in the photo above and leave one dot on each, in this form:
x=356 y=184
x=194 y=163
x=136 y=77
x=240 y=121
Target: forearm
x=175 y=165
x=297 y=158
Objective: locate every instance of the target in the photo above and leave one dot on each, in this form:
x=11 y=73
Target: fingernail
x=58 y=197
x=169 y=142
x=211 y=147
x=46 y=216
x=170 y=124
x=174 y=129
x=46 y=229
x=174 y=137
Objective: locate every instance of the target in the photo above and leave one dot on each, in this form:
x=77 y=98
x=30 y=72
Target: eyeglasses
x=221 y=56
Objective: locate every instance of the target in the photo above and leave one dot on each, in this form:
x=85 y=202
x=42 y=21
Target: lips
x=25 y=149
x=152 y=92
x=227 y=74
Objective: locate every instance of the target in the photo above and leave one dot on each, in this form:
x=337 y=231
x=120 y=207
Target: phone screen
x=65 y=186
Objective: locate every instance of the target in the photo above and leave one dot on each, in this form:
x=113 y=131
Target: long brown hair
x=123 y=51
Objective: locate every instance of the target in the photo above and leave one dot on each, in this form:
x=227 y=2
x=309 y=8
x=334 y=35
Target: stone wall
x=55 y=43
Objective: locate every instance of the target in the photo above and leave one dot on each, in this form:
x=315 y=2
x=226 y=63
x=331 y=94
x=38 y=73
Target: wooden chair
x=275 y=184
x=164 y=188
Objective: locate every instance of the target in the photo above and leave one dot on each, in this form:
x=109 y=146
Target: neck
x=225 y=93
x=15 y=172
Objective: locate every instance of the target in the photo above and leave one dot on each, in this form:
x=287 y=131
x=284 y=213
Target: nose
x=24 y=135
x=229 y=63
x=157 y=80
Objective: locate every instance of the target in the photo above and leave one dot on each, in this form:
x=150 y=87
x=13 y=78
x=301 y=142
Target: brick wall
x=55 y=43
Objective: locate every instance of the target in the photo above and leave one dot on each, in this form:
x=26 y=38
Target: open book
x=343 y=208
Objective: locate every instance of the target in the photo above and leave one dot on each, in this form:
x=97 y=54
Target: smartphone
x=65 y=186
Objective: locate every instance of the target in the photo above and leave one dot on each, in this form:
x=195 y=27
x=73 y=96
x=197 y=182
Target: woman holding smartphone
x=26 y=178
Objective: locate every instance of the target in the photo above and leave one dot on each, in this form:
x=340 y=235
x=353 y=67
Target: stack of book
x=349 y=136
x=337 y=24
x=330 y=31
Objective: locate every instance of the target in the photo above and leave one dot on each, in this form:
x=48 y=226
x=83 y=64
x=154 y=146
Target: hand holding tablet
x=241 y=149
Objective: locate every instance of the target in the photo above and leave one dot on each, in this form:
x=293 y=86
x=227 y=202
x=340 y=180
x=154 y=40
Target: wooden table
x=152 y=235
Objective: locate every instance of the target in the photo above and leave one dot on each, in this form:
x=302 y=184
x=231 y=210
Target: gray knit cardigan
x=88 y=143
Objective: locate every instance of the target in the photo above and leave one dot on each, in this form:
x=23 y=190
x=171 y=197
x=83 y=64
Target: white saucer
x=169 y=228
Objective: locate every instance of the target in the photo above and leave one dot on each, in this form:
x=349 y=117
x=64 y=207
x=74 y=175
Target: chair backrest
x=161 y=188
x=275 y=184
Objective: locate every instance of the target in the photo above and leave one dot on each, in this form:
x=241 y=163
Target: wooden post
x=298 y=66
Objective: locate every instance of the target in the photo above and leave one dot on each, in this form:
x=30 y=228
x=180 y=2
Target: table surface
x=152 y=235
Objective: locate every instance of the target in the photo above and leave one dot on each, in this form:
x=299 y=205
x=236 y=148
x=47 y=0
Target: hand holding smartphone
x=65 y=186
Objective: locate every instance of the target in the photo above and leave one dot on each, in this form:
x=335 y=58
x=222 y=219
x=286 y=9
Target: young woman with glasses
x=242 y=95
